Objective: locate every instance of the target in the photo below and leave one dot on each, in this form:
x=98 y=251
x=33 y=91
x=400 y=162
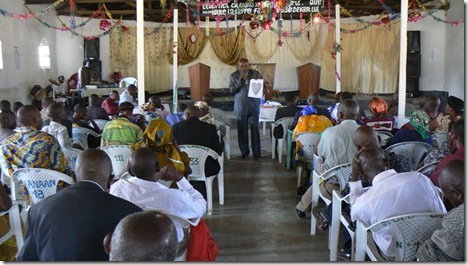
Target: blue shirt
x=173 y=118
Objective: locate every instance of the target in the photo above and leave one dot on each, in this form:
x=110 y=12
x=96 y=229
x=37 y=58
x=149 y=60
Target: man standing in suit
x=194 y=131
x=247 y=109
x=71 y=224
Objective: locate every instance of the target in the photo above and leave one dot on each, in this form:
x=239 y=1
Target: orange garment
x=201 y=246
x=312 y=123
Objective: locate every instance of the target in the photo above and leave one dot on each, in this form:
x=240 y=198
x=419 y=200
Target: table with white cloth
x=100 y=91
x=267 y=114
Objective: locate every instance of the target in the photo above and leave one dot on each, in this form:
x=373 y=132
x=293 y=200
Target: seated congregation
x=124 y=192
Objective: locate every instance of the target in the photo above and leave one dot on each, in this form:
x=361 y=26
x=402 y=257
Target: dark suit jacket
x=288 y=111
x=243 y=105
x=194 y=131
x=71 y=224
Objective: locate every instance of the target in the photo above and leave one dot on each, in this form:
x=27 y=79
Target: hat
x=419 y=120
x=456 y=104
x=202 y=105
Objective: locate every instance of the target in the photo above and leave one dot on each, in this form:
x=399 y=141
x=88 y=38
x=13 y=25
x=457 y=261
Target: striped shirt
x=121 y=132
x=29 y=147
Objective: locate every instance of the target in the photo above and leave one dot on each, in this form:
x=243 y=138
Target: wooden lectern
x=308 y=76
x=199 y=75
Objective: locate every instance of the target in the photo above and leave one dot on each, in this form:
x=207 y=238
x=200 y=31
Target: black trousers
x=243 y=135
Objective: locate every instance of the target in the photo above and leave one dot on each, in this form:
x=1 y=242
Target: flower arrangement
x=116 y=75
x=276 y=93
x=336 y=49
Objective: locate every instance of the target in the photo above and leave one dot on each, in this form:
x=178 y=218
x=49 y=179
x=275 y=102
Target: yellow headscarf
x=158 y=138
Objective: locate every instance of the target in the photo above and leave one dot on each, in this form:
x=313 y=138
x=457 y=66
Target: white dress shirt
x=186 y=201
x=60 y=133
x=393 y=194
x=126 y=97
x=336 y=145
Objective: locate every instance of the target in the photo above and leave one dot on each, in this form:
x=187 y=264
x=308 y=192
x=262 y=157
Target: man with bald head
x=145 y=191
x=30 y=147
x=143 y=236
x=194 y=131
x=71 y=224
x=448 y=243
x=391 y=194
x=128 y=95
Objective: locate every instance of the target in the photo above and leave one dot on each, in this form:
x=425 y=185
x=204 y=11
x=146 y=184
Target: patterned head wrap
x=419 y=120
x=202 y=105
x=308 y=110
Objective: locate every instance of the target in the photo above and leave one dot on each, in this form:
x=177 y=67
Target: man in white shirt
x=129 y=94
x=391 y=194
x=57 y=113
x=335 y=147
x=145 y=191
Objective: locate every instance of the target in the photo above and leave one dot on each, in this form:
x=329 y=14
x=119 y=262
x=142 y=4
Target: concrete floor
x=257 y=221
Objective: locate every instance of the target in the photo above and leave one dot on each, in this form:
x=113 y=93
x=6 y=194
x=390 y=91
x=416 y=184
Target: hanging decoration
x=198 y=16
x=280 y=26
x=207 y=22
x=31 y=14
x=300 y=21
x=336 y=49
x=218 y=19
x=434 y=10
x=163 y=6
x=415 y=15
x=187 y=18
x=269 y=10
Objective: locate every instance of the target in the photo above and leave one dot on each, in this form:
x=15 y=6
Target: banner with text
x=251 y=8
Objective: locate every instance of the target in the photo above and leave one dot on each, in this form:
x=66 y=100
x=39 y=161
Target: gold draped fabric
x=158 y=47
x=189 y=51
x=229 y=48
x=307 y=48
x=369 y=60
x=262 y=48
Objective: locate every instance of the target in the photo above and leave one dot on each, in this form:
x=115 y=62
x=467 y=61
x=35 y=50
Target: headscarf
x=308 y=110
x=419 y=120
x=203 y=106
x=158 y=138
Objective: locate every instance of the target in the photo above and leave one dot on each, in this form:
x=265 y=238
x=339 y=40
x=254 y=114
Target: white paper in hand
x=255 y=88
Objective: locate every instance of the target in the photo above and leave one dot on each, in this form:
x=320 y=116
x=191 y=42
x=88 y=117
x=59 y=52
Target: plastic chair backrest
x=198 y=155
x=341 y=172
x=15 y=226
x=119 y=155
x=80 y=135
x=101 y=123
x=427 y=169
x=415 y=152
x=72 y=155
x=383 y=136
x=308 y=141
x=286 y=122
x=273 y=104
x=40 y=182
x=128 y=81
x=409 y=231
x=439 y=139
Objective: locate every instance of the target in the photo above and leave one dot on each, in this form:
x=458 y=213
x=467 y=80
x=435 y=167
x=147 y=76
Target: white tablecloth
x=100 y=91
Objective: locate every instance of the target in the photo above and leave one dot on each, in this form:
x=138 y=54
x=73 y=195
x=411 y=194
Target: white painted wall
x=15 y=84
x=455 y=51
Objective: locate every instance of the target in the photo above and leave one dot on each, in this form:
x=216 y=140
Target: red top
x=110 y=106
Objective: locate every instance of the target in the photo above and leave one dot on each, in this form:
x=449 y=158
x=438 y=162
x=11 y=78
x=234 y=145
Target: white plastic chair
x=409 y=231
x=439 y=139
x=71 y=155
x=198 y=155
x=383 y=137
x=273 y=104
x=308 y=141
x=128 y=81
x=40 y=182
x=415 y=152
x=119 y=155
x=341 y=172
x=100 y=123
x=80 y=135
x=285 y=122
x=427 y=169
x=226 y=138
x=15 y=226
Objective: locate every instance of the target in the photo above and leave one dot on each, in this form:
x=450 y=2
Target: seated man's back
x=391 y=194
x=71 y=225
x=30 y=147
